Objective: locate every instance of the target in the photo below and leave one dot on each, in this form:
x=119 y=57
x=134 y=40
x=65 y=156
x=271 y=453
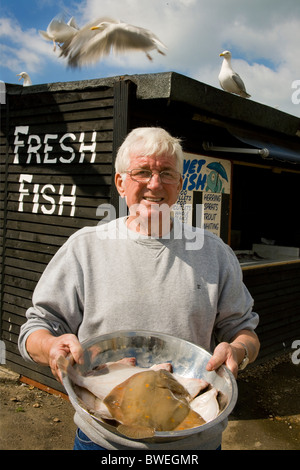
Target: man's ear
x=120 y=184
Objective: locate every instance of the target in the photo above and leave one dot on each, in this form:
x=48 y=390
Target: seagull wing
x=72 y=23
x=60 y=31
x=240 y=84
x=157 y=42
x=45 y=35
x=117 y=37
x=122 y=37
x=73 y=48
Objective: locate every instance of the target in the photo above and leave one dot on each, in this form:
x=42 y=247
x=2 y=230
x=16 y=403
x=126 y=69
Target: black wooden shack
x=58 y=145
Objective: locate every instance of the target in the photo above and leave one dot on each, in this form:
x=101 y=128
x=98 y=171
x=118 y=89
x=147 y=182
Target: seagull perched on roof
x=96 y=39
x=58 y=31
x=229 y=80
x=26 y=78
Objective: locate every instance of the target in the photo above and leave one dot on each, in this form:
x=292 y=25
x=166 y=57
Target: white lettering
x=36 y=198
x=296 y=94
x=47 y=194
x=71 y=199
x=173 y=459
x=41 y=149
x=49 y=148
x=22 y=190
x=67 y=149
x=106 y=210
x=296 y=354
x=87 y=148
x=117 y=460
x=49 y=199
x=196 y=236
x=34 y=149
x=2 y=353
x=2 y=94
x=19 y=143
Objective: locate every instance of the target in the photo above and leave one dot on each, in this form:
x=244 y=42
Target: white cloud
x=274 y=61
x=263 y=36
x=22 y=50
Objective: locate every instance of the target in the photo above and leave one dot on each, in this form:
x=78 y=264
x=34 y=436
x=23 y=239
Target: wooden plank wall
x=56 y=169
x=276 y=293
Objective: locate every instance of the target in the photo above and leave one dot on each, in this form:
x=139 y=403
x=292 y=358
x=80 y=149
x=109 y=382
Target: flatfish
x=139 y=400
x=151 y=401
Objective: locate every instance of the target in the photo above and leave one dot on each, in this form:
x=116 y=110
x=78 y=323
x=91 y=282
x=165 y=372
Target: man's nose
x=154 y=181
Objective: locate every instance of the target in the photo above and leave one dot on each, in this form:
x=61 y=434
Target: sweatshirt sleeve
x=235 y=302
x=57 y=300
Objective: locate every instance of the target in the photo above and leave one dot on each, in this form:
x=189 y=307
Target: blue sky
x=263 y=36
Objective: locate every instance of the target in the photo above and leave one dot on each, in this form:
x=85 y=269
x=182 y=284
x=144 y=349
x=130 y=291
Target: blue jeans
x=82 y=442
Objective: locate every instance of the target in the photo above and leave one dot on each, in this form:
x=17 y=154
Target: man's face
x=153 y=194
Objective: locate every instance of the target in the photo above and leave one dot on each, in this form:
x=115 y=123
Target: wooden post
x=124 y=90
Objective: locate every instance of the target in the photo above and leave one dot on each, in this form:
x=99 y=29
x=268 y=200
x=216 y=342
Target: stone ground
x=266 y=417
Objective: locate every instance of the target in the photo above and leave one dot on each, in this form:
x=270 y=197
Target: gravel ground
x=267 y=414
x=266 y=417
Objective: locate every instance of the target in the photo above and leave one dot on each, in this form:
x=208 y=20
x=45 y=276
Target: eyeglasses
x=144 y=176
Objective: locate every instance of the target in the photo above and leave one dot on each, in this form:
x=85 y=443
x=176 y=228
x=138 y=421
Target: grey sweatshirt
x=109 y=278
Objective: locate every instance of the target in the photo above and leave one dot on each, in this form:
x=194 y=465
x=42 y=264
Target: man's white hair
x=148 y=141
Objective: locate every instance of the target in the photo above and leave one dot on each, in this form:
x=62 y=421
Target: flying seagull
x=25 y=76
x=58 y=31
x=229 y=80
x=103 y=35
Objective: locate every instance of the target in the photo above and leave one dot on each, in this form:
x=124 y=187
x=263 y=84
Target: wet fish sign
x=206 y=183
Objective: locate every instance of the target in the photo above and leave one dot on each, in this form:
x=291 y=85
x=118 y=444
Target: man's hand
x=226 y=354
x=45 y=349
x=63 y=346
x=232 y=354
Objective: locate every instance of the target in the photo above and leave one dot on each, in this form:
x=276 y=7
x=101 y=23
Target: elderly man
x=143 y=272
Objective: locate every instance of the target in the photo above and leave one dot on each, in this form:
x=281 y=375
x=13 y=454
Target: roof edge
x=182 y=89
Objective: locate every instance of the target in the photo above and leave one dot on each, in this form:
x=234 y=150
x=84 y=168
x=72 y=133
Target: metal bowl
x=150 y=348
